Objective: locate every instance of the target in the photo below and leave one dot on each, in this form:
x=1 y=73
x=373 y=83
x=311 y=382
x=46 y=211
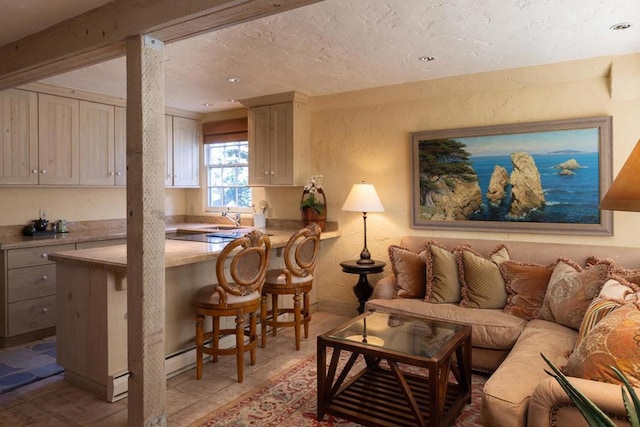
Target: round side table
x=362 y=289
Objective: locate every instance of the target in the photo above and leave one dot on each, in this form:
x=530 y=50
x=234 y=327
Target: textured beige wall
x=21 y=205
x=365 y=136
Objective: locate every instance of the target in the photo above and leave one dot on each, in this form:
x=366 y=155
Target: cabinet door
x=259 y=146
x=97 y=144
x=281 y=144
x=120 y=136
x=58 y=140
x=19 y=139
x=168 y=164
x=186 y=149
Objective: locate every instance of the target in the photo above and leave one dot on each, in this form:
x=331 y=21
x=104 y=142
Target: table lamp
x=363 y=198
x=624 y=194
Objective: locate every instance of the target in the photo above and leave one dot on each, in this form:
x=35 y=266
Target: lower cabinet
x=28 y=291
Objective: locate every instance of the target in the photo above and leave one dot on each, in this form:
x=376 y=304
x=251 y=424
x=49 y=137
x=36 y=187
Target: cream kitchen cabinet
x=279 y=140
x=28 y=294
x=58 y=140
x=183 y=152
x=28 y=290
x=97 y=144
x=120 y=137
x=19 y=138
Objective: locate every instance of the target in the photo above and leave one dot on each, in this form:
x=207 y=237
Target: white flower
x=314 y=184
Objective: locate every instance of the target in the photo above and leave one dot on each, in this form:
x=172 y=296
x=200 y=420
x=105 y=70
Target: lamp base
x=365 y=256
x=365 y=261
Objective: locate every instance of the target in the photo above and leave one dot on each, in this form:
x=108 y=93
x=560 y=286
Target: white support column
x=145 y=231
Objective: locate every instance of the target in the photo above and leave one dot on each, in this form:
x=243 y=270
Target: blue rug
x=22 y=365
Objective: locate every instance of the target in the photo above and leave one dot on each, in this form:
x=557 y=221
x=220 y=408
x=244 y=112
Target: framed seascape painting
x=542 y=177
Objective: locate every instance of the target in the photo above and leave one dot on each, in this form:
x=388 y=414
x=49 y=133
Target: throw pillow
x=570 y=291
x=613 y=294
x=480 y=278
x=409 y=278
x=443 y=283
x=526 y=286
x=615 y=340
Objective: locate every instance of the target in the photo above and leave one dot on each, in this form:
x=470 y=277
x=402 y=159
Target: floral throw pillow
x=409 y=272
x=482 y=283
x=570 y=291
x=526 y=286
x=615 y=340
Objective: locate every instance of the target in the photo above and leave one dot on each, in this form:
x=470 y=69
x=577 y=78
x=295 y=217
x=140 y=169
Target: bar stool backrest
x=301 y=252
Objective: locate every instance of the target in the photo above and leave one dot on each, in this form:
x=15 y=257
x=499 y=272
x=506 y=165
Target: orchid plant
x=311 y=189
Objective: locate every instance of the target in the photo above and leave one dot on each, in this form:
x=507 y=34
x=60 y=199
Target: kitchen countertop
x=177 y=252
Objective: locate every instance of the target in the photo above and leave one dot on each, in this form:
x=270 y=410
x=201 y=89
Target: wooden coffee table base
x=390 y=396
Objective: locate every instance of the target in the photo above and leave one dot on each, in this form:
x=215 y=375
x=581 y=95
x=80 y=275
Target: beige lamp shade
x=624 y=194
x=363 y=198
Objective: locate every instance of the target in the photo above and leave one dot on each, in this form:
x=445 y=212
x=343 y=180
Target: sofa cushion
x=409 y=272
x=505 y=400
x=615 y=340
x=491 y=328
x=571 y=290
x=481 y=280
x=526 y=286
x=443 y=283
x=612 y=295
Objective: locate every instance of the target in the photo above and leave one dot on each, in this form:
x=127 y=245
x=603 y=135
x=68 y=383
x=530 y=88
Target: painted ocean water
x=569 y=198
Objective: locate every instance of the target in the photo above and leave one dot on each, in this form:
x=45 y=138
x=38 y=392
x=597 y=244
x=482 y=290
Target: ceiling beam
x=99 y=34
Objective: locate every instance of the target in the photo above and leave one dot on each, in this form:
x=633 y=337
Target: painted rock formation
x=526 y=188
x=454 y=198
x=497 y=185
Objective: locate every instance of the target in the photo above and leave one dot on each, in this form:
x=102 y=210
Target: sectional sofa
x=514 y=294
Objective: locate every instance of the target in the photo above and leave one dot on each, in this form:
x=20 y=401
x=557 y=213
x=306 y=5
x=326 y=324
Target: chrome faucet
x=235 y=220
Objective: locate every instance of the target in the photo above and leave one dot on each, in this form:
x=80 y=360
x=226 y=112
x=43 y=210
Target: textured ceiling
x=338 y=45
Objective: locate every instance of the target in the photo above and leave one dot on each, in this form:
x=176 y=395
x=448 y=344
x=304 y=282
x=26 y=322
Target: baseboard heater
x=174 y=364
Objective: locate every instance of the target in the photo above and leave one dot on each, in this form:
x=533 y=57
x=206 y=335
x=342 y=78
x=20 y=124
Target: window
x=227 y=166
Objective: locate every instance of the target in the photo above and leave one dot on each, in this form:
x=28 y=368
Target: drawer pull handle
x=45 y=277
x=45 y=255
x=44 y=310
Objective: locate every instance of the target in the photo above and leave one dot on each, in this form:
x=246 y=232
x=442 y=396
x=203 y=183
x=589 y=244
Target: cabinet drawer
x=31 y=282
x=32 y=315
x=34 y=256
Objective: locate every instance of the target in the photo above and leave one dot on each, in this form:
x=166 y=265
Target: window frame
x=206 y=168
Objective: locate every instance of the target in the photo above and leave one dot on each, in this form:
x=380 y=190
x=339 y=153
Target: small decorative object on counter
x=312 y=208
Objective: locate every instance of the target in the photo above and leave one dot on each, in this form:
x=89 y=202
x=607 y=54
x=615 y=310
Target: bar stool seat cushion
x=208 y=297
x=278 y=277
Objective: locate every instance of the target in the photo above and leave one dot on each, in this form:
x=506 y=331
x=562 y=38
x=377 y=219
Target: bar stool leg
x=253 y=338
x=296 y=318
x=263 y=319
x=240 y=345
x=307 y=314
x=215 y=337
x=199 y=343
x=274 y=312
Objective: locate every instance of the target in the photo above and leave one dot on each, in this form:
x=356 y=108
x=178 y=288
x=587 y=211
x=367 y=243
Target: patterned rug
x=22 y=365
x=289 y=399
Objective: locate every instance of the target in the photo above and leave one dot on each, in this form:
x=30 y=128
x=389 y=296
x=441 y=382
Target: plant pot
x=310 y=214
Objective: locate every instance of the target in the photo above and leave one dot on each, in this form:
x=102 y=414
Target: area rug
x=25 y=364
x=289 y=399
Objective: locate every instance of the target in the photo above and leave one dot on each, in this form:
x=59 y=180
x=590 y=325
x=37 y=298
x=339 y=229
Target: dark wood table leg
x=363 y=291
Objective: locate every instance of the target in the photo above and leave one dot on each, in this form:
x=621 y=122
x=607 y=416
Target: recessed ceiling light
x=233 y=79
x=207 y=104
x=621 y=26
x=426 y=58
x=232 y=100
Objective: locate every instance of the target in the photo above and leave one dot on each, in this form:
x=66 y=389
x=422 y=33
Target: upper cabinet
x=19 y=138
x=279 y=140
x=58 y=142
x=97 y=144
x=183 y=153
x=120 y=143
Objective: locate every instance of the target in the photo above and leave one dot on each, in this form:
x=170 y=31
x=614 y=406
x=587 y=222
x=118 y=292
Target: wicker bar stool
x=296 y=278
x=236 y=294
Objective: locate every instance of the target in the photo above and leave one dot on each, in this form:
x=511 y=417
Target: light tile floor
x=54 y=402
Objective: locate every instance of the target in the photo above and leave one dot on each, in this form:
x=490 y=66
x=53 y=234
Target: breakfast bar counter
x=91 y=308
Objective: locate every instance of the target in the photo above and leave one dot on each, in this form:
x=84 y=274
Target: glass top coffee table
x=416 y=372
